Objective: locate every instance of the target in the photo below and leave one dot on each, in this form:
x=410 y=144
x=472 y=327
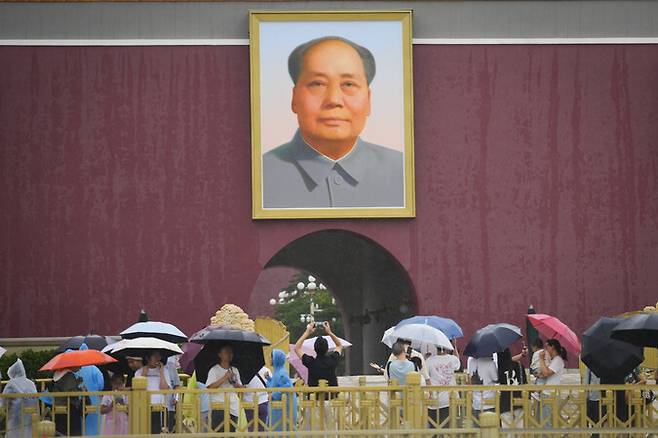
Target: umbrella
x=551 y=327
x=608 y=357
x=190 y=350
x=308 y=346
x=93 y=342
x=77 y=359
x=154 y=329
x=297 y=364
x=640 y=330
x=247 y=350
x=492 y=339
x=2 y=351
x=449 y=327
x=141 y=346
x=418 y=334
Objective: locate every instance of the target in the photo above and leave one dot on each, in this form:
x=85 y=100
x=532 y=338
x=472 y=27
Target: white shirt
x=535 y=369
x=441 y=369
x=153 y=383
x=557 y=366
x=216 y=373
x=488 y=372
x=257 y=383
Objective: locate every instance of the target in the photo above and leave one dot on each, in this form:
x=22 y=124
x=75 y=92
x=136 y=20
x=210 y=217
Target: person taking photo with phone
x=323 y=365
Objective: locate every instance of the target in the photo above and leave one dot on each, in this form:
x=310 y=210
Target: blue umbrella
x=449 y=327
x=492 y=339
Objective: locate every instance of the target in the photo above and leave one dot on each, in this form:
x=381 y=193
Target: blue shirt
x=297 y=176
x=399 y=369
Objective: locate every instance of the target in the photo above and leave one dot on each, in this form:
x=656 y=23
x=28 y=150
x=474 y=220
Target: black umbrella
x=93 y=342
x=492 y=339
x=247 y=351
x=640 y=330
x=606 y=357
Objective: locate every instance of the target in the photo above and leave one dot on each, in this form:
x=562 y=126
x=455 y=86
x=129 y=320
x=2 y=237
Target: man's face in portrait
x=331 y=97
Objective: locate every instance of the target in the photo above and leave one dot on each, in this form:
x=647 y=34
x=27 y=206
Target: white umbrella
x=154 y=329
x=2 y=351
x=418 y=334
x=308 y=345
x=141 y=344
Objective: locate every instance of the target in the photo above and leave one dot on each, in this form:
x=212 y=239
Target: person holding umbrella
x=65 y=381
x=64 y=365
x=157 y=379
x=441 y=368
x=224 y=375
x=551 y=368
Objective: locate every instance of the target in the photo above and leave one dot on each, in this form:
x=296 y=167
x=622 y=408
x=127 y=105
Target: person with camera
x=323 y=365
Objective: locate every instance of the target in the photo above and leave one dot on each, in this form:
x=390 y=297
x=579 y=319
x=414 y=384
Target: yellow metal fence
x=392 y=410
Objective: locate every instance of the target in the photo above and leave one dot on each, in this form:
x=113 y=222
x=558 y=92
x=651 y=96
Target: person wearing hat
x=68 y=424
x=134 y=363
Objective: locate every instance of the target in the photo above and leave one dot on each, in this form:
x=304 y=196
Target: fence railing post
x=35 y=425
x=489 y=425
x=413 y=414
x=138 y=407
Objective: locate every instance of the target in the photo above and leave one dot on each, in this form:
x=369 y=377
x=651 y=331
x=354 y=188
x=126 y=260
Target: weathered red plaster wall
x=126 y=183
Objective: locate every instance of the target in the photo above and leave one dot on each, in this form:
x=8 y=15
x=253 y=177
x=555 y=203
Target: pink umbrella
x=551 y=327
x=297 y=364
x=190 y=351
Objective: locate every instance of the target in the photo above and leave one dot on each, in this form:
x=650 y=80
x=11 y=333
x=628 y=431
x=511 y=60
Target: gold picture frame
x=276 y=22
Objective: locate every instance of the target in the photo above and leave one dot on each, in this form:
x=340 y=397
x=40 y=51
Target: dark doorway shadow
x=371 y=288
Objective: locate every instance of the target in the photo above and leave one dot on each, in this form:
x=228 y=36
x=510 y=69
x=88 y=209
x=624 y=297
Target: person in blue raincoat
x=92 y=379
x=281 y=379
x=19 y=423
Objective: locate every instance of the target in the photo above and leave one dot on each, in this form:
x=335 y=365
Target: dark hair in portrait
x=296 y=58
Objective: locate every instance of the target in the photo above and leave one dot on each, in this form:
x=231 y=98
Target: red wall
x=126 y=184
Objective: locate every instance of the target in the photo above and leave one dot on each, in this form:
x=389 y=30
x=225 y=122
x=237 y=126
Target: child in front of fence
x=115 y=422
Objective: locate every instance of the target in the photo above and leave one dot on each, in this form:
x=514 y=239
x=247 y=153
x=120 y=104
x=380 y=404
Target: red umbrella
x=77 y=359
x=551 y=327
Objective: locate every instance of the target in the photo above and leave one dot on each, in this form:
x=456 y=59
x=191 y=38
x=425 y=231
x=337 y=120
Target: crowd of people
x=437 y=367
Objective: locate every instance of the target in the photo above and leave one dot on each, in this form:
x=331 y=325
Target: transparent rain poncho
x=19 y=423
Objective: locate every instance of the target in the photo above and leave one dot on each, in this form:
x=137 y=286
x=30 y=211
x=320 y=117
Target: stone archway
x=371 y=288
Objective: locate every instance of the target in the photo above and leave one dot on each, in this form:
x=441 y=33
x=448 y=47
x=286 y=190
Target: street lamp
x=303 y=289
